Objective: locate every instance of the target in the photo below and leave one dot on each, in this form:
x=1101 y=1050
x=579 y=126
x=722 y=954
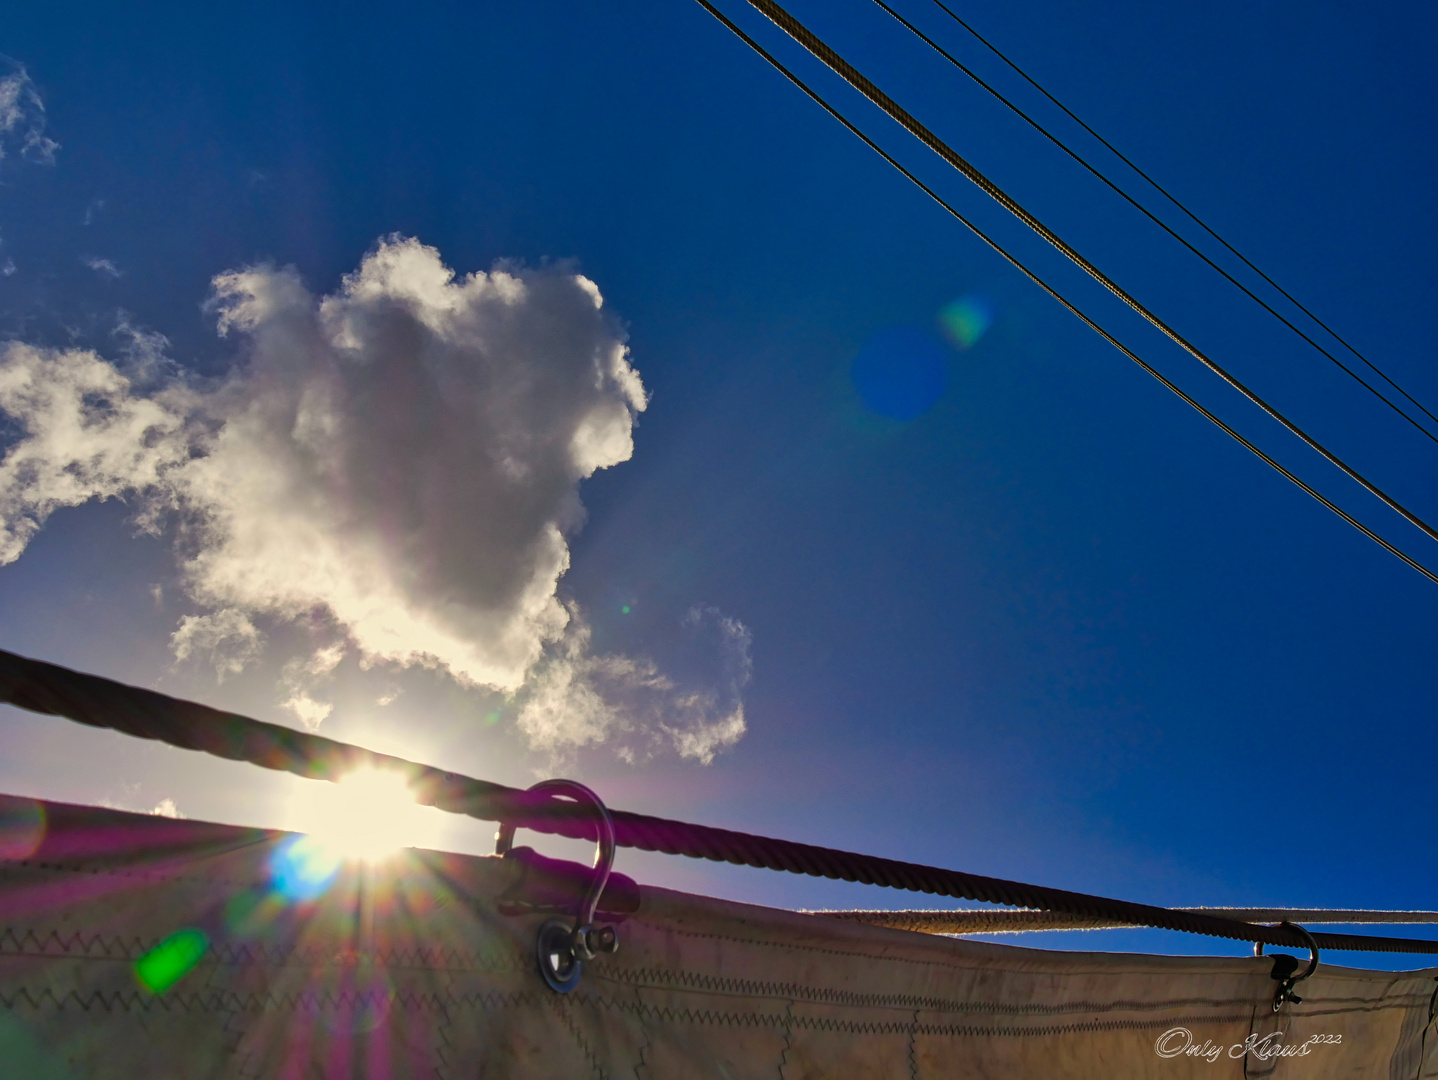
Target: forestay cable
x=104 y=703
x=854 y=78
x=1064 y=301
x=936 y=47
x=1174 y=199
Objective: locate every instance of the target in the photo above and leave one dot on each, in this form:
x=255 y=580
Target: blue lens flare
x=302 y=868
x=901 y=372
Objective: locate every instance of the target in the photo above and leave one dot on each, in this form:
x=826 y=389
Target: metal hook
x=1286 y=979
x=560 y=950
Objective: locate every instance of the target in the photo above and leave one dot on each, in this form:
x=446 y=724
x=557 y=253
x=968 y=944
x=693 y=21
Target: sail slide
x=141 y=946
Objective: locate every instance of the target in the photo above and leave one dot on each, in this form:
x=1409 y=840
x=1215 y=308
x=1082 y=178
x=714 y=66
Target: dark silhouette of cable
x=1149 y=214
x=1174 y=199
x=104 y=703
x=857 y=80
x=1063 y=300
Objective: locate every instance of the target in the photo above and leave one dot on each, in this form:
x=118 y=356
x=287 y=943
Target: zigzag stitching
x=445 y=1044
x=140 y=873
x=229 y=1001
x=648 y=1035
x=115 y=1000
x=596 y=1068
x=233 y=1032
x=788 y=1038
x=115 y=947
x=901 y=1027
x=75 y=940
x=821 y=995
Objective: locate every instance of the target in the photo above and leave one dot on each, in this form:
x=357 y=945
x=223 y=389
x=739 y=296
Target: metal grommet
x=558 y=966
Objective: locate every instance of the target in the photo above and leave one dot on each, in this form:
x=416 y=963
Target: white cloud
x=304 y=674
x=86 y=436
x=227 y=637
x=400 y=459
x=103 y=267
x=406 y=453
x=129 y=800
x=144 y=351
x=22 y=119
x=577 y=698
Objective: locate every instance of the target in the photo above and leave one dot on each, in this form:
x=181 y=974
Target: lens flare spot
x=253 y=911
x=302 y=868
x=171 y=960
x=966 y=320
x=901 y=372
x=22 y=828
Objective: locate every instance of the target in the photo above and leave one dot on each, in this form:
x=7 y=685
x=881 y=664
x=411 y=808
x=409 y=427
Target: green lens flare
x=168 y=962
x=966 y=320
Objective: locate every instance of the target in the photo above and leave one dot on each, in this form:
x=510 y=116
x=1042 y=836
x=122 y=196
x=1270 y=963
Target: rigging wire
x=104 y=703
x=1065 y=302
x=989 y=921
x=1192 y=216
x=934 y=45
x=851 y=75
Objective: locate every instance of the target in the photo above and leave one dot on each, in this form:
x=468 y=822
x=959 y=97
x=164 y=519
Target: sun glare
x=369 y=814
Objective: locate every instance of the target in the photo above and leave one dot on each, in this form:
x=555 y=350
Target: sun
x=370 y=814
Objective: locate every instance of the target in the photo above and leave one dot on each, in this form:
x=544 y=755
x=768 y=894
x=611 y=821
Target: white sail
x=408 y=969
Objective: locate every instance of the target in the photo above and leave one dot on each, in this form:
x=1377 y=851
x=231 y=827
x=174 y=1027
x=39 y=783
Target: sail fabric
x=139 y=946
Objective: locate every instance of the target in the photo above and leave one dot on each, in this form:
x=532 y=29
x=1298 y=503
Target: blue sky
x=1055 y=626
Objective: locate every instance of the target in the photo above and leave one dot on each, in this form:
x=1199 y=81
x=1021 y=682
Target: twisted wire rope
x=1069 y=305
x=1174 y=199
x=147 y=714
x=821 y=51
x=1051 y=137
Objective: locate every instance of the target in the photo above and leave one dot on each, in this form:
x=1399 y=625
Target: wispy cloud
x=577 y=697
x=305 y=675
x=399 y=462
x=22 y=119
x=226 y=638
x=103 y=267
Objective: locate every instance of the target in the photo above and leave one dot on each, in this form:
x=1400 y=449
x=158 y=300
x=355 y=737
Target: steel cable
x=858 y=81
x=1191 y=215
x=936 y=47
x=99 y=702
x=1064 y=301
x=981 y=921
